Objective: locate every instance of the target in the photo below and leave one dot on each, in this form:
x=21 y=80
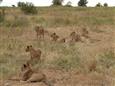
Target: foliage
x=57 y=2
x=82 y=3
x=69 y=4
x=27 y=8
x=105 y=5
x=1 y=1
x=98 y=5
x=21 y=4
x=13 y=6
x=2 y=15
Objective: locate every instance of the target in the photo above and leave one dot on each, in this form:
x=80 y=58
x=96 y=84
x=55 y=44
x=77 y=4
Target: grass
x=106 y=61
x=16 y=32
x=64 y=16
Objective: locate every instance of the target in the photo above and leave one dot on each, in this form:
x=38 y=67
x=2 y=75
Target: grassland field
x=66 y=63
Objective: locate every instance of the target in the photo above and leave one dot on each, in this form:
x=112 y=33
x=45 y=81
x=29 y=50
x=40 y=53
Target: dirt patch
x=70 y=78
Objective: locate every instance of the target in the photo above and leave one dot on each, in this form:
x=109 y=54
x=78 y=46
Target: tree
x=27 y=8
x=98 y=5
x=2 y=13
x=13 y=6
x=69 y=4
x=82 y=3
x=21 y=4
x=105 y=5
x=1 y=1
x=57 y=2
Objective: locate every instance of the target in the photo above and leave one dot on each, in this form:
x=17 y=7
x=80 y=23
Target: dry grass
x=16 y=34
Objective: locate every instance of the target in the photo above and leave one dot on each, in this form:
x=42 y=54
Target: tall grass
x=106 y=61
x=13 y=42
x=65 y=16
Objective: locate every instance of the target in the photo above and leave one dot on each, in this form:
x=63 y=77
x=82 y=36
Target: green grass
x=17 y=26
x=64 y=16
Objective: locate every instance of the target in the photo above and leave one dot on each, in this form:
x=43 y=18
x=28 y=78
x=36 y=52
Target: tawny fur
x=29 y=75
x=54 y=36
x=35 y=54
x=92 y=66
x=85 y=33
x=75 y=37
x=39 y=32
x=63 y=40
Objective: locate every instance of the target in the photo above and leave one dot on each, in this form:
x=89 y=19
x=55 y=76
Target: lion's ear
x=30 y=46
x=27 y=46
x=24 y=65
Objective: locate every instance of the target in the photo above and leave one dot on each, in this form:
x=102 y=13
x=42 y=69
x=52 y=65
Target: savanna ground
x=65 y=64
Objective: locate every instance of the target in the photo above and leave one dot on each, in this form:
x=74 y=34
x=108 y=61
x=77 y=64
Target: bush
x=2 y=15
x=82 y=3
x=57 y=2
x=105 y=5
x=13 y=6
x=21 y=4
x=27 y=8
x=98 y=5
x=68 y=4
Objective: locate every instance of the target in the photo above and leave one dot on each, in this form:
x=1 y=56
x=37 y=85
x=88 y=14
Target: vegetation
x=69 y=4
x=98 y=5
x=105 y=5
x=93 y=17
x=16 y=29
x=57 y=2
x=82 y=3
x=1 y=1
x=27 y=8
x=2 y=15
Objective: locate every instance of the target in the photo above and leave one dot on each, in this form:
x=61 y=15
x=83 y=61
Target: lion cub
x=39 y=32
x=54 y=37
x=75 y=37
x=35 y=54
x=85 y=33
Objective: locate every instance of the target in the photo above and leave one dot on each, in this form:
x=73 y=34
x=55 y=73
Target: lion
x=85 y=33
x=92 y=66
x=54 y=37
x=35 y=54
x=39 y=32
x=63 y=40
x=75 y=37
x=27 y=74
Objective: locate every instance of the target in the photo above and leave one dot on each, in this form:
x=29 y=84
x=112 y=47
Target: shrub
x=98 y=5
x=57 y=2
x=21 y=4
x=82 y=3
x=13 y=6
x=105 y=5
x=2 y=15
x=27 y=8
x=68 y=4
